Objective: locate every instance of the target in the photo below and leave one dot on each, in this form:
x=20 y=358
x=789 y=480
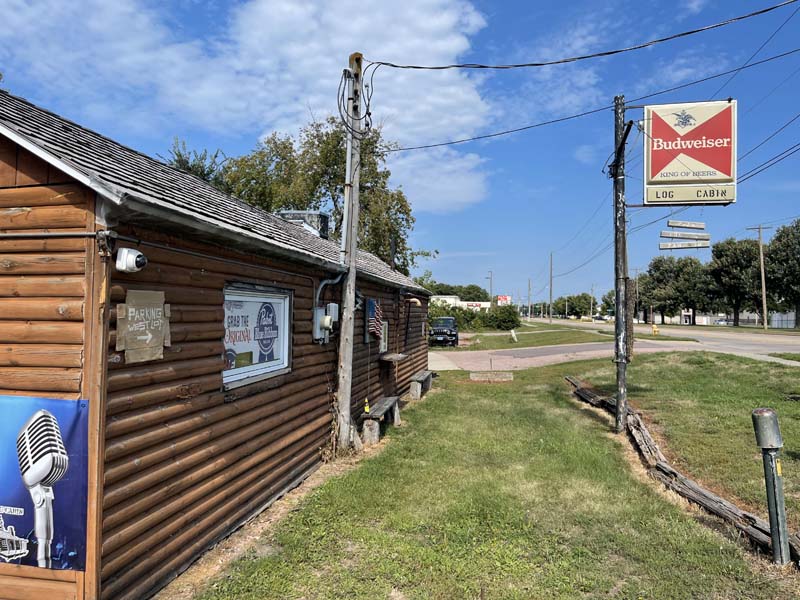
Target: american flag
x=375 y=319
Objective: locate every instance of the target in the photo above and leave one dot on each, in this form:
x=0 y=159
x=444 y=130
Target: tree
x=662 y=275
x=307 y=173
x=270 y=177
x=608 y=303
x=580 y=304
x=474 y=293
x=783 y=266
x=206 y=165
x=468 y=293
x=735 y=269
x=693 y=285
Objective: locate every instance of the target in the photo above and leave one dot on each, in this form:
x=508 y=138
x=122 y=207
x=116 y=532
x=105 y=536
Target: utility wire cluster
x=600 y=109
x=372 y=66
x=572 y=59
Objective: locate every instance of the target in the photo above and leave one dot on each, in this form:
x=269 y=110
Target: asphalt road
x=751 y=345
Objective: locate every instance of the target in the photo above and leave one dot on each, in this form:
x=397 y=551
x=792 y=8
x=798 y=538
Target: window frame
x=247 y=292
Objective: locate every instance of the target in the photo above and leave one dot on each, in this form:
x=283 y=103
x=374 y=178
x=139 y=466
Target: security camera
x=130 y=260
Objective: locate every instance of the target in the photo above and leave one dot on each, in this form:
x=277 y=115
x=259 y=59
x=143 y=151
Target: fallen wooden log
x=753 y=527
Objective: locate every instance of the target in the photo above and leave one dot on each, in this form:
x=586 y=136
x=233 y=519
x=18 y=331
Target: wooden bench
x=420 y=383
x=386 y=409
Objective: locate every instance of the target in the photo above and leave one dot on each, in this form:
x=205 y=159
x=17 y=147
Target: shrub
x=502 y=317
x=498 y=317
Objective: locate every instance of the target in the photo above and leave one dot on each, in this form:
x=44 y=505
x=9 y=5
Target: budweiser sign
x=690 y=153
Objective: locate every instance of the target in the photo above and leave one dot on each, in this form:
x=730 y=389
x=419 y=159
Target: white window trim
x=384 y=341
x=232 y=378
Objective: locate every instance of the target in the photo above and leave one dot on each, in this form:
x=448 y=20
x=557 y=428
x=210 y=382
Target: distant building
x=456 y=301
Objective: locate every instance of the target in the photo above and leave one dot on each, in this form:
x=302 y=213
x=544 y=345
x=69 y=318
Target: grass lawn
x=524 y=326
x=527 y=339
x=495 y=491
x=650 y=336
x=700 y=403
x=787 y=356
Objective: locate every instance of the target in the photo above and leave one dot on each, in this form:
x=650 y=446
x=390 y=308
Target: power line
x=572 y=59
x=602 y=250
x=770 y=163
x=770 y=136
x=593 y=111
x=586 y=224
x=772 y=91
x=754 y=54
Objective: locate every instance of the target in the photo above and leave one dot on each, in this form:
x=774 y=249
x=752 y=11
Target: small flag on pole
x=375 y=319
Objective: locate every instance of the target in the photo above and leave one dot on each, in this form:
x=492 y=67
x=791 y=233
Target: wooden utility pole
x=764 y=317
x=591 y=304
x=490 y=277
x=621 y=131
x=550 y=306
x=349 y=250
x=529 y=298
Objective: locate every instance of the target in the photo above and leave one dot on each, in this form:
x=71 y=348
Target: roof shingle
x=121 y=174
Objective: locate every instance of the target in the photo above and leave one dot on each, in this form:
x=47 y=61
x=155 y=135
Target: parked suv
x=443 y=331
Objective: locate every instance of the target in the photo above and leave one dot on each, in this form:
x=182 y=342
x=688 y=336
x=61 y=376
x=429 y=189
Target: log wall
x=43 y=315
x=373 y=378
x=176 y=462
x=185 y=460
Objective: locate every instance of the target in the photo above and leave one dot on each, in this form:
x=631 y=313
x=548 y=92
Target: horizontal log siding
x=372 y=378
x=186 y=461
x=412 y=340
x=42 y=286
x=42 y=300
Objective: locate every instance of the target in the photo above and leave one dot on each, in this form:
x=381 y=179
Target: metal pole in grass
x=768 y=438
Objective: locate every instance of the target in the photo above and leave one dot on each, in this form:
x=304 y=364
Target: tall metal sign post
x=349 y=250
x=621 y=131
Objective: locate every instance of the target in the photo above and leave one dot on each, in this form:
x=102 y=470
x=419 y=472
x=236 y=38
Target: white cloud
x=684 y=66
x=125 y=65
x=694 y=6
x=586 y=154
x=440 y=179
x=562 y=89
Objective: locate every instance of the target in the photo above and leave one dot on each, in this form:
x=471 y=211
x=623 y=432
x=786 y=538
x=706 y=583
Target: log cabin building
x=185 y=395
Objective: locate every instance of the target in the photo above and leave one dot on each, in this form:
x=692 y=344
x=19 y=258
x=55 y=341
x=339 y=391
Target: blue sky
x=222 y=74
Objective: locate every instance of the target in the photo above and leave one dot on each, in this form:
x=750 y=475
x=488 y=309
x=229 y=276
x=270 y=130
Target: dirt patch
x=251 y=536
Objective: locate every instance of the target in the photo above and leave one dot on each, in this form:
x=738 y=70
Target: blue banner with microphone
x=43 y=482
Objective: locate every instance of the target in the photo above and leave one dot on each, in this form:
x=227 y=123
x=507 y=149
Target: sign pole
x=620 y=261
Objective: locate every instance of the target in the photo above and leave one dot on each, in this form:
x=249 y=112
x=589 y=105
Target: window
x=257 y=333
x=384 y=343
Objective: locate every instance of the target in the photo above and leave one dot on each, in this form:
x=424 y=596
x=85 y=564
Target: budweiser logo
x=660 y=144
x=709 y=143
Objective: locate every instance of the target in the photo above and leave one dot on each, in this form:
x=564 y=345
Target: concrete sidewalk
x=539 y=356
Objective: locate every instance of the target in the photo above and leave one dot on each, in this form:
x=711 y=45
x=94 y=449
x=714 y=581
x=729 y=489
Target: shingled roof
x=135 y=181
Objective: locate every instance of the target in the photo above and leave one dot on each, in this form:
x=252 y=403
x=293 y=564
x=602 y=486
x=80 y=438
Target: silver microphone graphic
x=43 y=461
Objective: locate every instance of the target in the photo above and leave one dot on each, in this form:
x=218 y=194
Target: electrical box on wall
x=332 y=310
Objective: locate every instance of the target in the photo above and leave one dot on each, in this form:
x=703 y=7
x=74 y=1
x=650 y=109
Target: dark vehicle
x=443 y=331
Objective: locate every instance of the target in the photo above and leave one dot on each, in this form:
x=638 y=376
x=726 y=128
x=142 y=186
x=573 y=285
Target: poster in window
x=256 y=333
